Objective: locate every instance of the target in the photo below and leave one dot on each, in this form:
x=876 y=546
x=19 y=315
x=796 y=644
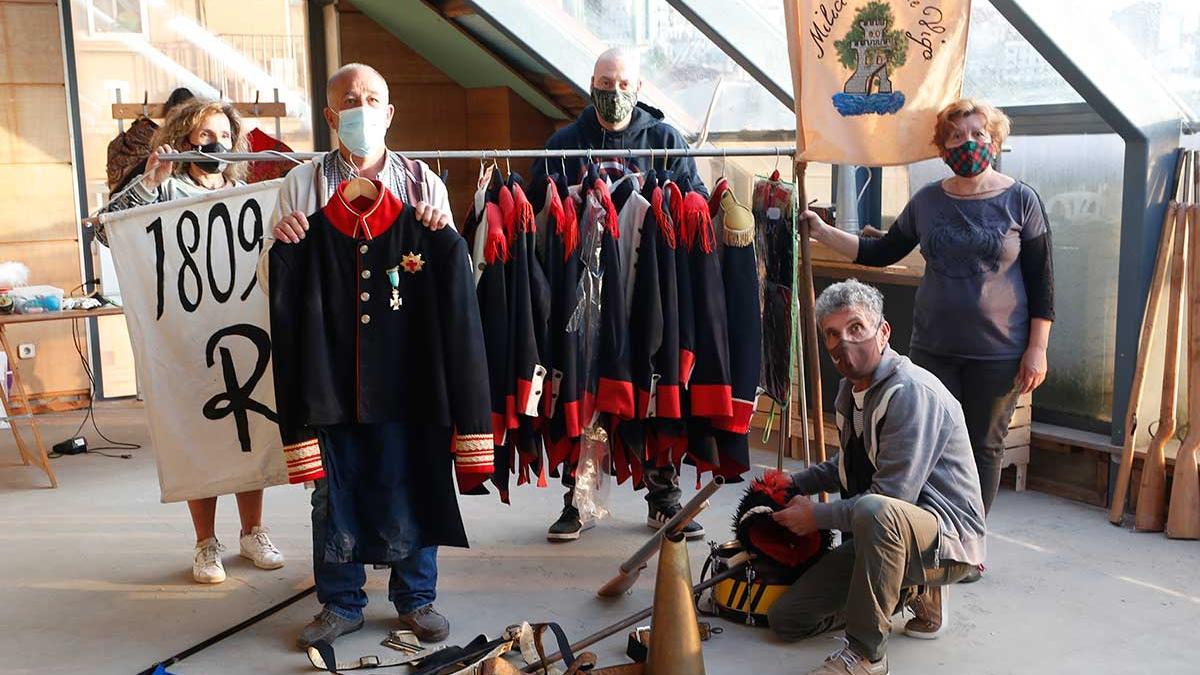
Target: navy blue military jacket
x=374 y=319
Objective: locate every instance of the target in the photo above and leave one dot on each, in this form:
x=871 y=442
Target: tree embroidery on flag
x=872 y=49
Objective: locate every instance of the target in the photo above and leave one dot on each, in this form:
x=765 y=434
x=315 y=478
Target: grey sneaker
x=427 y=624
x=659 y=515
x=326 y=626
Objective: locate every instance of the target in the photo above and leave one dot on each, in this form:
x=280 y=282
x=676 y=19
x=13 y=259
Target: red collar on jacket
x=363 y=218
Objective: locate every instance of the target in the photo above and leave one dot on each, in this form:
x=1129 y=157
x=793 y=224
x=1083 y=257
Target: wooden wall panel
x=364 y=41
x=43 y=208
x=38 y=221
x=33 y=118
x=31 y=44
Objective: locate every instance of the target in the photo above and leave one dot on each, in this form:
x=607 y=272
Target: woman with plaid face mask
x=985 y=305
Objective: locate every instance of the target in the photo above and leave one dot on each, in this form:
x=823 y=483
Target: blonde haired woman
x=209 y=126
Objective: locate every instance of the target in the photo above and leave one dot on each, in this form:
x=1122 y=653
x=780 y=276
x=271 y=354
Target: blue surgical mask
x=362 y=130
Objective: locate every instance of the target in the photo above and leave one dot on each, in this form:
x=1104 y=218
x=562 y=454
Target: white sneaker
x=206 y=563
x=257 y=546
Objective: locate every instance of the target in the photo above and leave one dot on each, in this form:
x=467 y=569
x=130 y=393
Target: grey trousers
x=863 y=582
x=988 y=393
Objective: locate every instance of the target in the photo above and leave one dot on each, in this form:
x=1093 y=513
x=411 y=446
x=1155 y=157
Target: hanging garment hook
x=562 y=159
x=439 y=163
x=777 y=154
x=508 y=162
x=145 y=103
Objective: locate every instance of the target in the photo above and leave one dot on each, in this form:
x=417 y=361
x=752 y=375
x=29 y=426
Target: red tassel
x=525 y=222
x=664 y=226
x=610 y=210
x=697 y=224
x=508 y=209
x=567 y=222
x=543 y=481
x=676 y=204
x=496 y=248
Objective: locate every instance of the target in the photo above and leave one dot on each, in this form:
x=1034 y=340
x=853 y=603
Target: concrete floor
x=95 y=578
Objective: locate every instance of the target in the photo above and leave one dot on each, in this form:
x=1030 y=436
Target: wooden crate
x=1016 y=443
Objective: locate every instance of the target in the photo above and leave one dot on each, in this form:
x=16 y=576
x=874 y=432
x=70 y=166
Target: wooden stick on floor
x=1183 y=516
x=1116 y=511
x=1151 y=512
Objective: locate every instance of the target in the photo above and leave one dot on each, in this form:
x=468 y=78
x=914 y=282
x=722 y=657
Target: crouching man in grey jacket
x=909 y=495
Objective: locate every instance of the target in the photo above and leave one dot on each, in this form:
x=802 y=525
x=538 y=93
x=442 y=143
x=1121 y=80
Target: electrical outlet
x=26 y=350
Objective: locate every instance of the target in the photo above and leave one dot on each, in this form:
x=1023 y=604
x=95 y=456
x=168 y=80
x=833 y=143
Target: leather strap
x=322 y=657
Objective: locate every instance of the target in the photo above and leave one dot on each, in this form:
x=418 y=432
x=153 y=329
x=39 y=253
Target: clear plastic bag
x=592 y=481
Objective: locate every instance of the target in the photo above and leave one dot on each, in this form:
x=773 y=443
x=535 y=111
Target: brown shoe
x=931 y=611
x=426 y=624
x=846 y=661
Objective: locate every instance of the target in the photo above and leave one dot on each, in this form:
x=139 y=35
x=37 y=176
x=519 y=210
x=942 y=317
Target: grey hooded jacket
x=915 y=435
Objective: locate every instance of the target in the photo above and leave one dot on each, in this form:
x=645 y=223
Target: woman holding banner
x=209 y=126
x=983 y=311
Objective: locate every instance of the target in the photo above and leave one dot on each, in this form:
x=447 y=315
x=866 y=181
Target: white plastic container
x=35 y=299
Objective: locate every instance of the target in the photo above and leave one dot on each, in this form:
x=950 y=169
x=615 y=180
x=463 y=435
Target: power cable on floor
x=91 y=407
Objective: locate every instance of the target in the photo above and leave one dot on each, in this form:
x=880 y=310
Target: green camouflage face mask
x=613 y=105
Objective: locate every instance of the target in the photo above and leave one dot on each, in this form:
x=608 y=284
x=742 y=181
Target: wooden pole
x=1151 y=512
x=809 y=320
x=1183 y=516
x=1116 y=511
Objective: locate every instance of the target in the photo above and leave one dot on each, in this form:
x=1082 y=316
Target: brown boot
x=932 y=613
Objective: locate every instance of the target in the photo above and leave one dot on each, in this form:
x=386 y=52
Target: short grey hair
x=847 y=294
x=346 y=70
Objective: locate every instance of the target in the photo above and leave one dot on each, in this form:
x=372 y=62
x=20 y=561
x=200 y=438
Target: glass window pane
x=1079 y=179
x=685 y=65
x=1004 y=69
x=1167 y=35
x=680 y=66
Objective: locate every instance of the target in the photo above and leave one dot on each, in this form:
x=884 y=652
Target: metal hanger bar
x=775 y=151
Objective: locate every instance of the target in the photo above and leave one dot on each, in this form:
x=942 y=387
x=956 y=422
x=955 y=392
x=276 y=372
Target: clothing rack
x=300 y=157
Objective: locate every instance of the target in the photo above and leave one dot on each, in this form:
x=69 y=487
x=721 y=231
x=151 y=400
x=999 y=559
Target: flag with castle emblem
x=871 y=75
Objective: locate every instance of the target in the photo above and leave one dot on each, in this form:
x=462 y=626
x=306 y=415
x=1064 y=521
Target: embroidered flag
x=871 y=75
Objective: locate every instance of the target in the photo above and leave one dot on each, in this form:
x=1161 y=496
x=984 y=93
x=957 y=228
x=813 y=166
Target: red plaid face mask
x=969 y=159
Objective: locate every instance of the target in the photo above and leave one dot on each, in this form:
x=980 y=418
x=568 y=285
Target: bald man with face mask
x=360 y=112
x=616 y=119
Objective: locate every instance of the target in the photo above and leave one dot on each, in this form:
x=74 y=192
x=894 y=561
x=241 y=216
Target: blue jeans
x=413 y=582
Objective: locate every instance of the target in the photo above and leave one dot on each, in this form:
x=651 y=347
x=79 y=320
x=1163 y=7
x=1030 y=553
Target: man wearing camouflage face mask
x=617 y=120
